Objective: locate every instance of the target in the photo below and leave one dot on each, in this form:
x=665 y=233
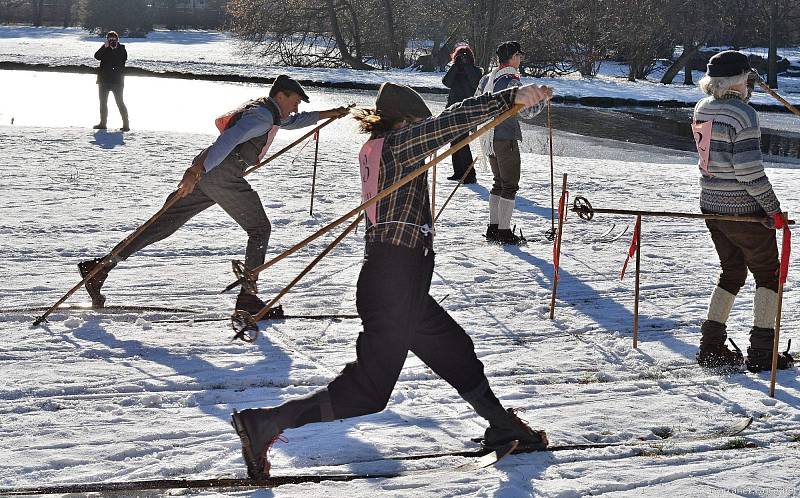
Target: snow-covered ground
x=117 y=396
x=204 y=52
x=96 y=396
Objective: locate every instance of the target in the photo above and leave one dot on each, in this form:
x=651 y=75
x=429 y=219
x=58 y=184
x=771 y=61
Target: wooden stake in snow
x=562 y=215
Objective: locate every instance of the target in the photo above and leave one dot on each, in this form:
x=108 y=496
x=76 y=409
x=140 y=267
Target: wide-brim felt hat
x=399 y=102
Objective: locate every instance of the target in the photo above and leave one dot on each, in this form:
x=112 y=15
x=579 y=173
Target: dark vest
x=250 y=150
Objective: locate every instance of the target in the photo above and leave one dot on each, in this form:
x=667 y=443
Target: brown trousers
x=745 y=246
x=506 y=165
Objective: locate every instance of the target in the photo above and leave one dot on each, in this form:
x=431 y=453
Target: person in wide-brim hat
x=392 y=296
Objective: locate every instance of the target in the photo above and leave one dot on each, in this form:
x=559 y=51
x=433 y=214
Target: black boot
x=249 y=303
x=504 y=425
x=94 y=284
x=509 y=428
x=491 y=232
x=759 y=354
x=713 y=352
x=507 y=236
x=259 y=428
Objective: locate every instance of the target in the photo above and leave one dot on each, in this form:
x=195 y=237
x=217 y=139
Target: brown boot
x=94 y=284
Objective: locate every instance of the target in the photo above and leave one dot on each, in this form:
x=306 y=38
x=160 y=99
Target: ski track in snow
x=93 y=396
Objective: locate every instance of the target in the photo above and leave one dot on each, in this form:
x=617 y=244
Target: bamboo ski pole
x=774 y=371
x=290 y=146
x=266 y=309
x=460 y=182
x=170 y=202
x=638 y=273
x=381 y=195
x=560 y=232
x=433 y=187
x=113 y=254
x=552 y=231
x=777 y=96
x=314 y=175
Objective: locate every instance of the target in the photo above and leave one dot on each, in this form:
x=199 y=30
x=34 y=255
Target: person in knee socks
x=501 y=145
x=733 y=181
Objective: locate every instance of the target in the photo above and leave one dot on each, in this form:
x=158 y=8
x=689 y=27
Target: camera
x=113 y=43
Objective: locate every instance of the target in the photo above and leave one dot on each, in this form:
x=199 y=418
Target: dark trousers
x=222 y=185
x=399 y=316
x=462 y=159
x=506 y=164
x=116 y=89
x=745 y=246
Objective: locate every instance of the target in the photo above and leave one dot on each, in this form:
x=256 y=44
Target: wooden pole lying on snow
x=384 y=193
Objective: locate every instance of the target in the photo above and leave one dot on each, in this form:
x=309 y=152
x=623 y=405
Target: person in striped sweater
x=733 y=182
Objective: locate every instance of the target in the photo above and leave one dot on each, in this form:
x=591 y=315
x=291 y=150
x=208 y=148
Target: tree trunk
x=688 y=52
x=344 y=52
x=772 y=58
x=395 y=57
x=36 y=9
x=68 y=13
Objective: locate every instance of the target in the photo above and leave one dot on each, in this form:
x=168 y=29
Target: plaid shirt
x=401 y=216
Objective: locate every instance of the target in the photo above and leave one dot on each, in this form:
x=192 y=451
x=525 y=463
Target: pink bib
x=369 y=160
x=702 y=139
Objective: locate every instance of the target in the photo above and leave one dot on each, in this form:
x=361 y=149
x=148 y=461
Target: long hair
x=370 y=121
x=717 y=86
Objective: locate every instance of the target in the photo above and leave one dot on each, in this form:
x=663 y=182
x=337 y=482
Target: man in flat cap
x=501 y=145
x=215 y=177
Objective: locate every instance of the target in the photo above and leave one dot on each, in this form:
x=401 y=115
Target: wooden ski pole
x=110 y=257
x=460 y=182
x=266 y=309
x=381 y=195
x=433 y=187
x=774 y=373
x=777 y=96
x=314 y=175
x=290 y=146
x=638 y=272
x=170 y=202
x=561 y=216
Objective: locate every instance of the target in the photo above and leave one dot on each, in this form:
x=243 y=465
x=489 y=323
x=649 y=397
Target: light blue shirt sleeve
x=300 y=120
x=253 y=123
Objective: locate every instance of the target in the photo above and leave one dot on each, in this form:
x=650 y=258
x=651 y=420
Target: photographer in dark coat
x=110 y=78
x=462 y=79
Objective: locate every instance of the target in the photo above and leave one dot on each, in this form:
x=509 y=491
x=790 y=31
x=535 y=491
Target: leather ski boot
x=94 y=284
x=508 y=237
x=759 y=354
x=259 y=428
x=713 y=352
x=491 y=232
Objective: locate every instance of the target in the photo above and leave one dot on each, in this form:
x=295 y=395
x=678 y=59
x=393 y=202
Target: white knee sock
x=720 y=306
x=505 y=210
x=494 y=202
x=765 y=308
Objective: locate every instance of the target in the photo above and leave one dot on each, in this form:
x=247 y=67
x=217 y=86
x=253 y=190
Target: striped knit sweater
x=735 y=182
